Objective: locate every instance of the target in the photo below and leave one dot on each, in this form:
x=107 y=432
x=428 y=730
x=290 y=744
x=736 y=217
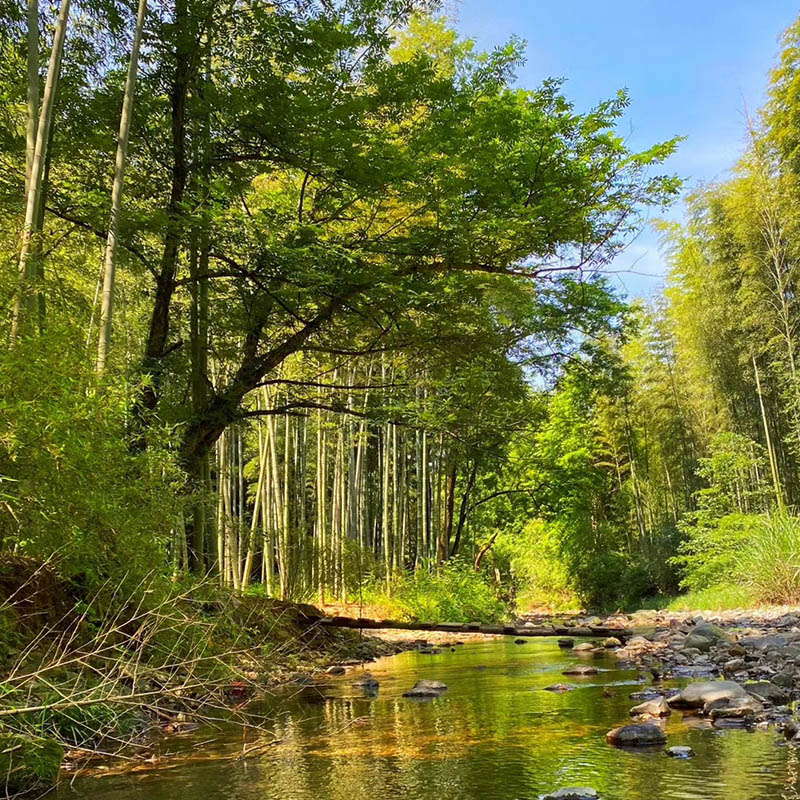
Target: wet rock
x=652 y=708
x=520 y=641
x=696 y=695
x=573 y=793
x=647 y=694
x=611 y=641
x=336 y=669
x=367 y=682
x=426 y=688
x=679 y=751
x=301 y=679
x=580 y=669
x=768 y=691
x=566 y=644
x=584 y=647
x=741 y=708
x=429 y=651
x=644 y=735
x=559 y=688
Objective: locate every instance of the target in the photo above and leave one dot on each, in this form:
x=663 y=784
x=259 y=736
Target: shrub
x=453 y=592
x=769 y=563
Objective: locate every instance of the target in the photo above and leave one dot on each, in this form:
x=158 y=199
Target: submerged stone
x=679 y=751
x=573 y=793
x=426 y=688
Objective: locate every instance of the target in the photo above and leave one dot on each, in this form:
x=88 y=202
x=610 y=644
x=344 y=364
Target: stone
x=336 y=669
x=737 y=650
x=679 y=751
x=652 y=708
x=584 y=647
x=643 y=735
x=573 y=793
x=697 y=694
x=426 y=688
x=734 y=665
x=580 y=669
x=740 y=708
x=765 y=690
x=647 y=694
x=429 y=651
x=764 y=642
x=566 y=644
x=520 y=641
x=709 y=631
x=611 y=641
x=367 y=682
x=784 y=679
x=696 y=642
x=559 y=688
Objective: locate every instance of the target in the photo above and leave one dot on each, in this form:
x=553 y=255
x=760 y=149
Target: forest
x=273 y=320
x=308 y=301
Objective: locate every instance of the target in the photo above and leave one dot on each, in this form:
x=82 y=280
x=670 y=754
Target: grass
x=724 y=597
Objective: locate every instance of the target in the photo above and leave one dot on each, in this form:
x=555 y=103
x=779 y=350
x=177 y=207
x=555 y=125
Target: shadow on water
x=494 y=734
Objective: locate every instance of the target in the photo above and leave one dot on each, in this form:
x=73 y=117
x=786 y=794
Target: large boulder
x=741 y=708
x=698 y=694
x=425 y=688
x=644 y=735
x=709 y=631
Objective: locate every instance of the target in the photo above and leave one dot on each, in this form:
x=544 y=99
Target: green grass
x=723 y=597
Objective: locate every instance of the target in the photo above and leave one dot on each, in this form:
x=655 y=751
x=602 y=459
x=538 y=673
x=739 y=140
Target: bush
x=453 y=592
x=769 y=563
x=713 y=549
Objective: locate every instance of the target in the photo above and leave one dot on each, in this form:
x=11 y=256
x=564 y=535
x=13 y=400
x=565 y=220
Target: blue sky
x=690 y=67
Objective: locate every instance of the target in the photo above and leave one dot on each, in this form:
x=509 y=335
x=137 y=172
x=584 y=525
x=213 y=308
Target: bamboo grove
x=285 y=283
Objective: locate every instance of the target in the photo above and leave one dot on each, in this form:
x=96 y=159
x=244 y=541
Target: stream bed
x=495 y=734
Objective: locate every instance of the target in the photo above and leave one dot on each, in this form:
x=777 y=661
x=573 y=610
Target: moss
x=28 y=762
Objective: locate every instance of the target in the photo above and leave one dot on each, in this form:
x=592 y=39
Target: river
x=495 y=734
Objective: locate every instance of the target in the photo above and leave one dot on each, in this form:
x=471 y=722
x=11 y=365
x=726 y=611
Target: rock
x=696 y=642
x=696 y=695
x=566 y=644
x=709 y=631
x=644 y=735
x=734 y=665
x=301 y=679
x=580 y=669
x=425 y=688
x=739 y=708
x=559 y=688
x=336 y=669
x=652 y=708
x=764 y=642
x=520 y=641
x=768 y=691
x=737 y=650
x=584 y=647
x=429 y=651
x=611 y=641
x=784 y=679
x=679 y=751
x=367 y=682
x=573 y=793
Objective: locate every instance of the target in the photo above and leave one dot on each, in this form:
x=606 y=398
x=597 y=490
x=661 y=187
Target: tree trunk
x=109 y=266
x=23 y=305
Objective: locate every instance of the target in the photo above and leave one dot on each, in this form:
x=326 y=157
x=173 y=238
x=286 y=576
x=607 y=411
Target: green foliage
x=28 y=763
x=453 y=592
x=70 y=485
x=769 y=565
x=712 y=550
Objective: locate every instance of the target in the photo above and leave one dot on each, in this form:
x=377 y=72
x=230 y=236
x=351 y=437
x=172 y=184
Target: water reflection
x=494 y=734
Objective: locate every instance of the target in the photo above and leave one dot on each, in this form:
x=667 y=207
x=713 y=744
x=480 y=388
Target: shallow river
x=494 y=735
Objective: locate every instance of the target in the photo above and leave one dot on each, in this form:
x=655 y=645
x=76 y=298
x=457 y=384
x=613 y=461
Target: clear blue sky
x=690 y=67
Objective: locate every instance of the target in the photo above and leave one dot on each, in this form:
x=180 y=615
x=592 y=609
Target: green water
x=495 y=734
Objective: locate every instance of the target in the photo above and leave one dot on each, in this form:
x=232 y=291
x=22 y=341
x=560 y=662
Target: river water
x=495 y=734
